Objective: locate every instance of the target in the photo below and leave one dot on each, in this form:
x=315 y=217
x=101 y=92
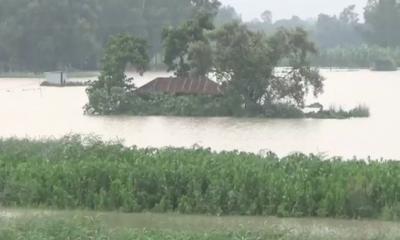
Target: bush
x=360 y=111
x=283 y=110
x=86 y=173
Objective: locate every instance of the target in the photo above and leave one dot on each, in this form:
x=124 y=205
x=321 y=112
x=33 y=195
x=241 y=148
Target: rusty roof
x=184 y=86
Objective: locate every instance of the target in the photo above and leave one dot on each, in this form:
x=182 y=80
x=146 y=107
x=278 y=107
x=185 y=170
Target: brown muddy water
x=27 y=110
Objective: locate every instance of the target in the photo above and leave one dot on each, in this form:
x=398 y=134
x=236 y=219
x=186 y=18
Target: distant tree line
x=343 y=40
x=345 y=29
x=43 y=35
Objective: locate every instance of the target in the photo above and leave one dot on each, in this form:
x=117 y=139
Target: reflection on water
x=26 y=110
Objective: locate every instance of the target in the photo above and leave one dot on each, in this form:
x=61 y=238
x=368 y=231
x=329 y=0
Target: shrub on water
x=333 y=112
x=76 y=173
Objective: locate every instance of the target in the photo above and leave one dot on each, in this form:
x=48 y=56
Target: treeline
x=86 y=173
x=343 y=39
x=345 y=29
x=42 y=35
x=362 y=56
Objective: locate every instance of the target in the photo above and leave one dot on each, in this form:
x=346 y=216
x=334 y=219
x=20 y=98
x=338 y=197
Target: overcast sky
x=250 y=9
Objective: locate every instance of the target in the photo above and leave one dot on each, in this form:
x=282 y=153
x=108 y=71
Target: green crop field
x=85 y=173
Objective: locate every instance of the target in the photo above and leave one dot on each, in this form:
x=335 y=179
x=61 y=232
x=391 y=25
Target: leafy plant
x=84 y=173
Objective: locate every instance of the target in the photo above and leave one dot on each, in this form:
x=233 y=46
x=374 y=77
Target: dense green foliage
x=111 y=92
x=203 y=106
x=43 y=35
x=106 y=94
x=339 y=36
x=75 y=173
x=247 y=62
x=159 y=105
x=381 y=22
x=187 y=49
x=380 y=29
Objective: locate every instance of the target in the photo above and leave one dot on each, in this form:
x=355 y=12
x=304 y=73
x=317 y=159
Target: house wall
x=56 y=77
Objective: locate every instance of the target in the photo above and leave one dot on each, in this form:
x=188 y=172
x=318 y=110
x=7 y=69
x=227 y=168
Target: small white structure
x=56 y=78
x=313 y=108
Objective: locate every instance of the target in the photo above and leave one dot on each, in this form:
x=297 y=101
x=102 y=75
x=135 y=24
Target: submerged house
x=313 y=108
x=181 y=86
x=60 y=79
x=56 y=78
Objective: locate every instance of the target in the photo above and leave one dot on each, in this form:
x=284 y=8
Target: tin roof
x=186 y=86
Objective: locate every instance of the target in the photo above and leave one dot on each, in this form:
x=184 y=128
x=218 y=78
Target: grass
x=45 y=225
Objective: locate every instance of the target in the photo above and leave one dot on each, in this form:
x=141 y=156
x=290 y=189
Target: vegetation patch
x=67 y=84
x=205 y=106
x=364 y=56
x=85 y=173
x=360 y=111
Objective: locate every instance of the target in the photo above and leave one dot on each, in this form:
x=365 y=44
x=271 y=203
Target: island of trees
x=245 y=64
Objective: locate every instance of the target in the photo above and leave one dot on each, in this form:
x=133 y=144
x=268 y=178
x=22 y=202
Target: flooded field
x=27 y=110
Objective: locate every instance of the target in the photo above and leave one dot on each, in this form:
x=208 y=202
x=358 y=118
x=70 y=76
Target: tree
x=342 y=31
x=47 y=35
x=121 y=51
x=206 y=6
x=226 y=14
x=349 y=16
x=200 y=58
x=43 y=35
x=109 y=93
x=382 y=19
x=246 y=62
x=266 y=16
x=182 y=44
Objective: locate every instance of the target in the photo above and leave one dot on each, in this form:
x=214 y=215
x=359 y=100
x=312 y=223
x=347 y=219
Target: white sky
x=250 y=9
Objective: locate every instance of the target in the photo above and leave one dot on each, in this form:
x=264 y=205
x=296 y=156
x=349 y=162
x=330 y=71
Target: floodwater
x=27 y=110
